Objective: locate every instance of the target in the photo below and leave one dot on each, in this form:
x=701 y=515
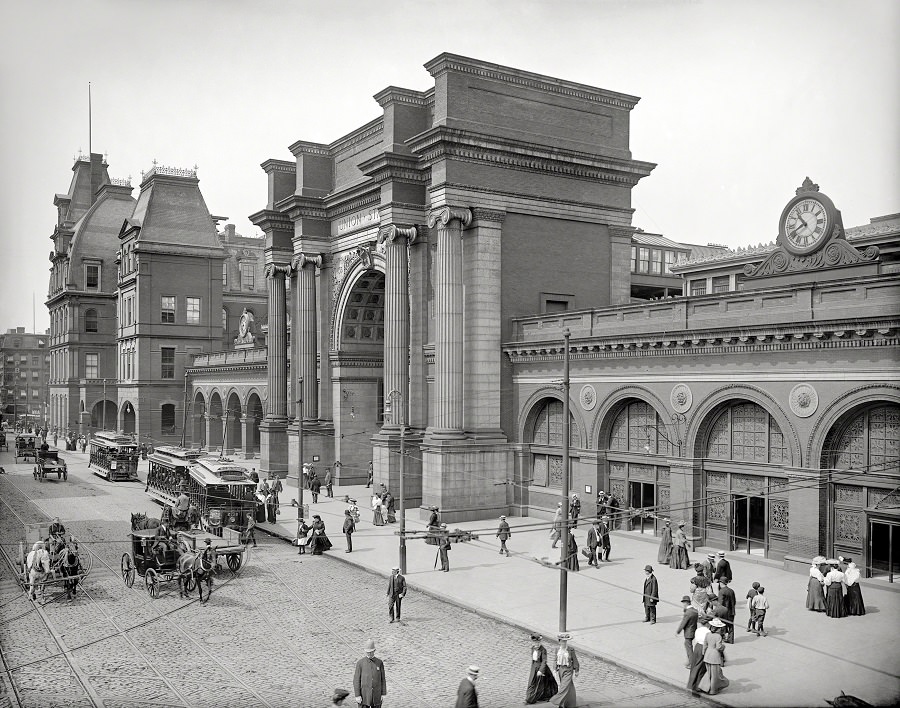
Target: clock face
x=805 y=225
x=243 y=326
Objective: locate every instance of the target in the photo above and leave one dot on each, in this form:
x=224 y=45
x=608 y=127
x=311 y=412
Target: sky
x=740 y=100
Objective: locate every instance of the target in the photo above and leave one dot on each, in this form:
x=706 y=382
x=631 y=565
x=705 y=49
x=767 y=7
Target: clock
x=806 y=223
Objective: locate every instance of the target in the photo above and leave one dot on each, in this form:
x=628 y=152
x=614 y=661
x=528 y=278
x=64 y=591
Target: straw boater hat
x=502 y=518
x=681 y=523
x=686 y=598
x=473 y=671
x=818 y=559
x=716 y=623
x=710 y=555
x=721 y=554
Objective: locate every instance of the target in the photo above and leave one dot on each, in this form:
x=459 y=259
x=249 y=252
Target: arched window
x=546 y=443
x=224 y=320
x=638 y=428
x=167 y=420
x=866 y=441
x=745 y=431
x=90 y=321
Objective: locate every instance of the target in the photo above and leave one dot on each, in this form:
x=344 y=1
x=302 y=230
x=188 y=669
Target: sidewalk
x=806 y=657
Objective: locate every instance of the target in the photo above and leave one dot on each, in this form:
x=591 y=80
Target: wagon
x=68 y=567
x=4 y=445
x=26 y=446
x=49 y=462
x=228 y=546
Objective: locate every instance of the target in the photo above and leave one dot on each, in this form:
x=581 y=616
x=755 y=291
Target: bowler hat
x=370 y=645
x=648 y=568
x=686 y=598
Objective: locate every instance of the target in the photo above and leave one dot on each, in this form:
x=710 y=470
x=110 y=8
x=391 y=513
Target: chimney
x=229 y=232
x=96 y=175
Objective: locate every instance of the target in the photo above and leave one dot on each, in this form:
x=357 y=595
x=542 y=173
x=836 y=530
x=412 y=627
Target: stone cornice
x=833 y=335
x=453 y=62
x=216 y=368
x=359 y=135
x=273 y=165
x=297 y=207
x=303 y=147
x=395 y=94
x=483 y=214
x=360 y=197
x=345 y=359
x=443 y=142
x=271 y=220
x=396 y=167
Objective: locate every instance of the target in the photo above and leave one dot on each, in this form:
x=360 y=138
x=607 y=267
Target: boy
x=250 y=533
x=349 y=528
x=751 y=593
x=760 y=605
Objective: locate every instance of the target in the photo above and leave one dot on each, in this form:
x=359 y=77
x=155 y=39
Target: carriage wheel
x=151 y=582
x=128 y=570
x=234 y=561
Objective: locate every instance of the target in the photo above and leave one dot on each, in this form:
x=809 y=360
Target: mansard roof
x=96 y=235
x=78 y=199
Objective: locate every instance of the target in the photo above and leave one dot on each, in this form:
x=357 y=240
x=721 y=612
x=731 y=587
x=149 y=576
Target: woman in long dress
x=815 y=593
x=834 y=591
x=572 y=553
x=679 y=560
x=320 y=542
x=377 y=518
x=664 y=555
x=698 y=668
x=714 y=657
x=853 y=599
x=567 y=669
x=541 y=684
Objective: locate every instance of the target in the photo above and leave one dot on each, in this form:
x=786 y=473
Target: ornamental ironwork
x=664 y=493
x=848 y=526
x=846 y=495
x=743 y=482
x=717 y=479
x=617 y=490
x=779 y=515
x=715 y=510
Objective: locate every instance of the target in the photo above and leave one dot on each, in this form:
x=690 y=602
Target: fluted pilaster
x=448 y=306
x=305 y=324
x=277 y=343
x=396 y=318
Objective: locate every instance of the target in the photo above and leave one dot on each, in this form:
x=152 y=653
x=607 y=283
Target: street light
x=564 y=551
x=390 y=406
x=677 y=420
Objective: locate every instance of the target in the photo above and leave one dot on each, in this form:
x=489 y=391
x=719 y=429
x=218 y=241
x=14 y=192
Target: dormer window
x=91 y=276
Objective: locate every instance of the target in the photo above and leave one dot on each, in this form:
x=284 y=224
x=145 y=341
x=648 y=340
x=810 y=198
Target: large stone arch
x=98 y=417
x=698 y=425
x=532 y=407
x=128 y=413
x=358 y=270
x=214 y=420
x=614 y=402
x=233 y=420
x=253 y=410
x=198 y=419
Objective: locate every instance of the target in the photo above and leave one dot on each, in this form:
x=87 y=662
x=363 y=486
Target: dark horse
x=70 y=567
x=194 y=570
x=142 y=521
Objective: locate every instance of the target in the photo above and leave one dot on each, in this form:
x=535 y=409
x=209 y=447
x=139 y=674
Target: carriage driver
x=208 y=557
x=57 y=530
x=181 y=506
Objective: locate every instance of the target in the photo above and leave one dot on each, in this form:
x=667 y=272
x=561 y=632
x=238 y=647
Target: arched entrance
x=104 y=420
x=198 y=421
x=214 y=423
x=129 y=418
x=255 y=414
x=233 y=417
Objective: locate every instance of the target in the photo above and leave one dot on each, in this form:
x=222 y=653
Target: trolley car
x=220 y=490
x=114 y=457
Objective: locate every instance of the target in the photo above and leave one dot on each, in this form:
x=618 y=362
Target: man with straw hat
x=466 y=695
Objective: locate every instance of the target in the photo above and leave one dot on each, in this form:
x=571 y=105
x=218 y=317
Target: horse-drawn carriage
x=49 y=462
x=26 y=446
x=50 y=559
x=4 y=445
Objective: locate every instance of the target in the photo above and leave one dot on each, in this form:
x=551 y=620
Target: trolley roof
x=215 y=470
x=176 y=456
x=112 y=439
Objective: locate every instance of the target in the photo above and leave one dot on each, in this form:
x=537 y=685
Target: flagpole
x=89 y=119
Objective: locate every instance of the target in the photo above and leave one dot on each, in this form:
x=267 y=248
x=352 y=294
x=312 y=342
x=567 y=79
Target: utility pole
x=300 y=518
x=104 y=404
x=564 y=551
x=402 y=418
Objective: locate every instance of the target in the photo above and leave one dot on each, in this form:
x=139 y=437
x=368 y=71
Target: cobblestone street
x=285 y=631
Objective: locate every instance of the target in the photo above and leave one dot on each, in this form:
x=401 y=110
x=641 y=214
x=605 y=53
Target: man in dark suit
x=466 y=695
x=605 y=545
x=369 y=683
x=689 y=627
x=444 y=548
x=728 y=600
x=593 y=542
x=723 y=569
x=396 y=591
x=651 y=595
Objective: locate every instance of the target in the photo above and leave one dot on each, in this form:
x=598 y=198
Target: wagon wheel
x=151 y=582
x=234 y=561
x=128 y=569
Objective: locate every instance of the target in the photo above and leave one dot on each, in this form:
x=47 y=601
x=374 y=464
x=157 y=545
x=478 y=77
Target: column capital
x=273 y=270
x=446 y=214
x=393 y=231
x=301 y=260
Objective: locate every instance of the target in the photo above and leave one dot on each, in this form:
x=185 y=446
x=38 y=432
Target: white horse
x=38 y=567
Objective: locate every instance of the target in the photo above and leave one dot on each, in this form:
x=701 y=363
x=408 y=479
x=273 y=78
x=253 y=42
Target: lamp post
x=395 y=392
x=564 y=550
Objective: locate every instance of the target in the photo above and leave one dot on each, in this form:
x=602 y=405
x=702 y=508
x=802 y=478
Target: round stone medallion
x=804 y=400
x=681 y=398
x=588 y=397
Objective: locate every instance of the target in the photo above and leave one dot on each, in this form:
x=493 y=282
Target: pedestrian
x=612 y=505
x=834 y=591
x=327 y=483
x=250 y=531
x=651 y=595
x=728 y=600
x=567 y=669
x=377 y=517
x=688 y=625
x=714 y=656
x=370 y=475
x=698 y=667
x=680 y=560
x=708 y=567
x=751 y=593
x=723 y=569
x=466 y=695
x=444 y=548
x=760 y=606
x=275 y=488
x=601 y=503
x=396 y=591
x=541 y=684
x=853 y=599
x=387 y=499
x=337 y=698
x=303 y=537
x=605 y=543
x=575 y=510
x=503 y=533
x=312 y=475
x=315 y=486
x=329 y=487
x=664 y=554
x=369 y=681
x=320 y=541
x=434 y=527
x=815 y=588
x=556 y=530
x=572 y=553
x=349 y=528
x=593 y=543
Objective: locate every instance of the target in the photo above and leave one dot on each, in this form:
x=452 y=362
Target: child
x=760 y=605
x=250 y=533
x=302 y=531
x=751 y=593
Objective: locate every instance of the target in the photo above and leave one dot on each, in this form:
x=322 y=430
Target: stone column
x=448 y=313
x=208 y=437
x=396 y=320
x=273 y=429
x=304 y=323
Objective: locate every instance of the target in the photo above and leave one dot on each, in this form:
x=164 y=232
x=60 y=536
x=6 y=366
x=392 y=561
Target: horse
x=194 y=570
x=38 y=567
x=70 y=568
x=142 y=521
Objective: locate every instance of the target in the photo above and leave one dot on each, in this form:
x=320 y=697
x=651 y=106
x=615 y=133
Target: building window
x=167 y=356
x=193 y=310
x=698 y=287
x=92 y=277
x=224 y=320
x=167 y=309
x=90 y=321
x=556 y=302
x=868 y=441
x=638 y=428
x=546 y=467
x=745 y=431
x=247 y=273
x=655 y=261
x=91 y=366
x=35 y=374
x=721 y=284
x=225 y=274
x=643 y=260
x=669 y=257
x=35 y=361
x=167 y=421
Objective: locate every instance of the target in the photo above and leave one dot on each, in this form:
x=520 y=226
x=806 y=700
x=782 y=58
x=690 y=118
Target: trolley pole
x=564 y=542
